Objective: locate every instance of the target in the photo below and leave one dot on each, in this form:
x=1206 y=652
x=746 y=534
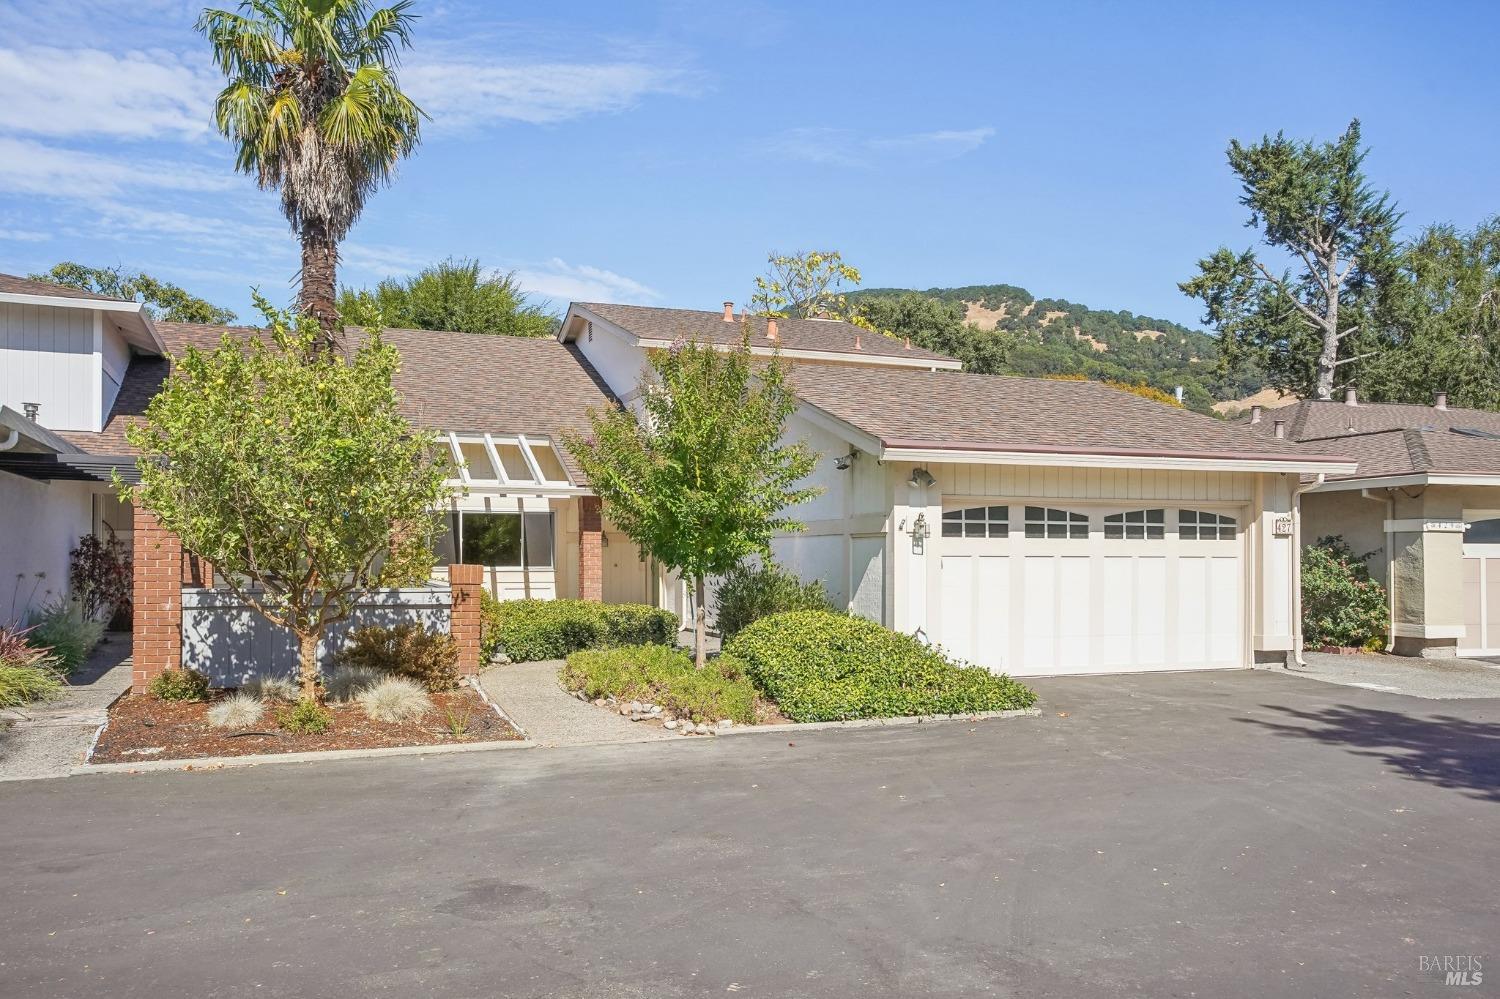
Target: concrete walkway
x=1434 y=679
x=531 y=695
x=49 y=739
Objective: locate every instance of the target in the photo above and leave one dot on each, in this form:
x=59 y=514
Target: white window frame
x=1070 y=520
x=989 y=521
x=1136 y=524
x=1218 y=523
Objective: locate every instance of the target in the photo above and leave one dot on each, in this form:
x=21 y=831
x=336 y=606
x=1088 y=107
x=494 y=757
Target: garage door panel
x=1114 y=618
x=992 y=625
x=1075 y=606
x=1192 y=612
x=1225 y=643
x=1150 y=611
x=959 y=595
x=1039 y=625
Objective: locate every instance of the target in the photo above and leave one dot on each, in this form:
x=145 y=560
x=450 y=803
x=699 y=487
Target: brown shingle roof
x=12 y=285
x=949 y=410
x=826 y=335
x=1396 y=438
x=447 y=381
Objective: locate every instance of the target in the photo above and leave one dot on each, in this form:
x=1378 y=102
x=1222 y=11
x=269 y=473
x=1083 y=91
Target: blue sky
x=655 y=152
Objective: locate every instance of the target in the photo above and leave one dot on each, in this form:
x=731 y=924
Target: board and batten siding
x=1022 y=481
x=48 y=356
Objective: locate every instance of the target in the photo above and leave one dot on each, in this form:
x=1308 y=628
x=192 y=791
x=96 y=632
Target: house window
x=977 y=522
x=502 y=540
x=1199 y=525
x=1482 y=532
x=1136 y=525
x=1045 y=522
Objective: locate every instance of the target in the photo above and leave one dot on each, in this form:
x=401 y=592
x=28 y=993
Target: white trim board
x=1076 y=460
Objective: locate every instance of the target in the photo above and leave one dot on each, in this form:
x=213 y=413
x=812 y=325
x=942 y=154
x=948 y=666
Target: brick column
x=197 y=572
x=590 y=549
x=465 y=623
x=157 y=617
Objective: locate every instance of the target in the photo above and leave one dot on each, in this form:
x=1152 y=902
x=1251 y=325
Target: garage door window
x=1198 y=525
x=1136 y=525
x=977 y=522
x=1046 y=522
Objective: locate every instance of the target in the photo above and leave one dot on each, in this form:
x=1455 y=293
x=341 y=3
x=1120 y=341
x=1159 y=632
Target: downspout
x=1389 y=499
x=1297 y=564
x=11 y=441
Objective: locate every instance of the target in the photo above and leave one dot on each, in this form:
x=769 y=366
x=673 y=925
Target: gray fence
x=223 y=638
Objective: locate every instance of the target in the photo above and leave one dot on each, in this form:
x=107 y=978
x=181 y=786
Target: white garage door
x=1066 y=588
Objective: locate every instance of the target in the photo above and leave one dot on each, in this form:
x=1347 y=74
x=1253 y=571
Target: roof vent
x=1280 y=429
x=1350 y=398
x=32 y=409
x=1440 y=401
x=729 y=312
x=772 y=333
x=1256 y=412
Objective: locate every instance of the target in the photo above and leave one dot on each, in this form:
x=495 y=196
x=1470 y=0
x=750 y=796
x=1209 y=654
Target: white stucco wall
x=39 y=524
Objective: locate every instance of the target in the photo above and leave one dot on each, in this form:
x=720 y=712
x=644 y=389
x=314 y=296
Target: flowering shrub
x=99 y=577
x=1341 y=603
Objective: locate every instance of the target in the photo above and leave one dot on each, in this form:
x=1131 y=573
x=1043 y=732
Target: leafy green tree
x=162 y=299
x=703 y=479
x=1442 y=318
x=452 y=295
x=1313 y=204
x=314 y=108
x=293 y=472
x=808 y=284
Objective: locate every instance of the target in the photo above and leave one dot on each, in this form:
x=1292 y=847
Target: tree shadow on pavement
x=1440 y=749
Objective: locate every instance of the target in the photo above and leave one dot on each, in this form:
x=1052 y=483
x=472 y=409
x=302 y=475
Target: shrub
x=62 y=627
x=531 y=630
x=820 y=666
x=489 y=626
x=751 y=591
x=661 y=675
x=345 y=682
x=1341 y=603
x=394 y=699
x=27 y=673
x=407 y=650
x=282 y=689
x=99 y=575
x=304 y=718
x=179 y=685
x=238 y=710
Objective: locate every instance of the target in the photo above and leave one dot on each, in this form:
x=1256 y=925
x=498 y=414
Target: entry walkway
x=50 y=738
x=531 y=695
x=1435 y=679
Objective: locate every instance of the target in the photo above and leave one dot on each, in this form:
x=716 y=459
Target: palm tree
x=313 y=105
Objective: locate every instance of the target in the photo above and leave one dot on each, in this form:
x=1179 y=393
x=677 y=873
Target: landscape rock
x=671 y=724
x=726 y=723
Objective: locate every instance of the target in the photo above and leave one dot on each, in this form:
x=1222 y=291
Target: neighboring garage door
x=1059 y=587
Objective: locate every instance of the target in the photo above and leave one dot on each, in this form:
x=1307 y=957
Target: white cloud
x=469 y=92
x=845 y=147
x=559 y=280
x=23 y=235
x=132 y=95
x=28 y=167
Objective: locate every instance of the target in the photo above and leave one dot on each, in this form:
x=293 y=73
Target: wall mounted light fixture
x=843 y=463
x=921 y=479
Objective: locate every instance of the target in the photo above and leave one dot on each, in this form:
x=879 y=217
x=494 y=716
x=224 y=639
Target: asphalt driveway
x=1231 y=834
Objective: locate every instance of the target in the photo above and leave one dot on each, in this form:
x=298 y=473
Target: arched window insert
x=1136 y=525
x=1047 y=522
x=1200 y=525
x=977 y=522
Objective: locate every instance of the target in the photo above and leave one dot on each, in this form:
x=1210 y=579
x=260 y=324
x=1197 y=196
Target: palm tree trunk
x=320 y=257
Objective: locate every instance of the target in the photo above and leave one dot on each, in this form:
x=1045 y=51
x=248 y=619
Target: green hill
x=1003 y=329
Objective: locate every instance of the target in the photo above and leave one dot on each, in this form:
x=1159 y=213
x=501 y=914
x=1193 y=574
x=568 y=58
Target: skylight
x=506 y=460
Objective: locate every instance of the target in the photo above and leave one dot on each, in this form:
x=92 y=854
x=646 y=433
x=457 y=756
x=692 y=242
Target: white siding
x=1020 y=481
x=47 y=357
x=618 y=363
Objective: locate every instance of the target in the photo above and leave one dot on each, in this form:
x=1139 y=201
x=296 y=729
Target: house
x=1423 y=503
x=1032 y=526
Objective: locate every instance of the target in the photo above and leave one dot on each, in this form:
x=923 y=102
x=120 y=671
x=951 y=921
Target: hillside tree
x=808 y=284
x=1314 y=206
x=704 y=477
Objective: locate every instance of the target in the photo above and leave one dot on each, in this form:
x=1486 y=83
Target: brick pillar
x=465 y=621
x=590 y=549
x=197 y=571
x=157 y=639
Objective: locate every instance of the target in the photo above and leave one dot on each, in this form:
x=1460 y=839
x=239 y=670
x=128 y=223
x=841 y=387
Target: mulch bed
x=144 y=728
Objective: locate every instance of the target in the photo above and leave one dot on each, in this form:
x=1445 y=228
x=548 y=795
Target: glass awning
x=507 y=460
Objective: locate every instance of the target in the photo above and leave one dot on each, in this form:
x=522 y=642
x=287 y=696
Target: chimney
x=1280 y=428
x=1256 y=412
x=772 y=333
x=858 y=345
x=908 y=343
x=729 y=312
x=1350 y=398
x=1441 y=401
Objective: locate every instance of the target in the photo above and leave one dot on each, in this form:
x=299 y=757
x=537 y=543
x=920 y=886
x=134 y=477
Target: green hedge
x=752 y=590
x=820 y=666
x=1341 y=603
x=661 y=675
x=529 y=630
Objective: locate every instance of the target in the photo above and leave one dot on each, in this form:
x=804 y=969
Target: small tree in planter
x=99 y=577
x=292 y=471
x=1342 y=604
x=703 y=479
